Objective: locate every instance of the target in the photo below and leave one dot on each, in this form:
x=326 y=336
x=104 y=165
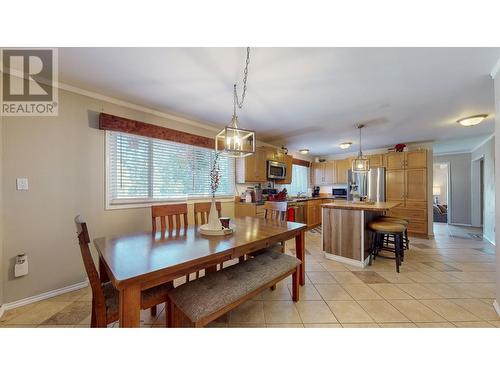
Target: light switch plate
x=22 y=183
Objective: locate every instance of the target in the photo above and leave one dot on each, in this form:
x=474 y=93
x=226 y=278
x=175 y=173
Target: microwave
x=276 y=170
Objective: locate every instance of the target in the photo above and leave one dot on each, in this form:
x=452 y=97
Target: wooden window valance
x=303 y=163
x=124 y=125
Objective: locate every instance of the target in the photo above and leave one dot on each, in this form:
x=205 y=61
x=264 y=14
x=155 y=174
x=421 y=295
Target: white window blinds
x=141 y=169
x=300 y=180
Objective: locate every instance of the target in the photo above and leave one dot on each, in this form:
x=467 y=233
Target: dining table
x=139 y=261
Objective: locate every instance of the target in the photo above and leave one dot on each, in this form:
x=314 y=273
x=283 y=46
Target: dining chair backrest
x=88 y=262
x=201 y=211
x=276 y=211
x=169 y=212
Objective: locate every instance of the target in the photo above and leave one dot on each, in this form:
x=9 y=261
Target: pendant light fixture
x=360 y=164
x=232 y=140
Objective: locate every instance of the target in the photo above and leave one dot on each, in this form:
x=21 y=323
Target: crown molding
x=482 y=142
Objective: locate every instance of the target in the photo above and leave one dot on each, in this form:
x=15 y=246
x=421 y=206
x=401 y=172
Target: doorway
x=441 y=193
x=477 y=192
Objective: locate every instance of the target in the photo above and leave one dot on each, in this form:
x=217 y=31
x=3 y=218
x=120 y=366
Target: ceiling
x=303 y=97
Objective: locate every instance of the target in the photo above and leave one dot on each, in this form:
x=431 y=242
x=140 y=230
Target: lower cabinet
x=313 y=211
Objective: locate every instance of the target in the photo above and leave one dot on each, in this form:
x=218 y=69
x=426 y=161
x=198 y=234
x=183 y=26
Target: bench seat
x=209 y=297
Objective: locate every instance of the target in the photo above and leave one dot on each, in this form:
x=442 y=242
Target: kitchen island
x=344 y=234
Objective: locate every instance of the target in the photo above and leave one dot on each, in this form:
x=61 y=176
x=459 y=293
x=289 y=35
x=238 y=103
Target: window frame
x=148 y=202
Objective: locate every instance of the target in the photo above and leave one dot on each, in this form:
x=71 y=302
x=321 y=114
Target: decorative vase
x=213 y=217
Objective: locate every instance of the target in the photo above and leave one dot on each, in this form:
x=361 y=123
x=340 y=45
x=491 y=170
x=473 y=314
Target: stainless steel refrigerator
x=370 y=185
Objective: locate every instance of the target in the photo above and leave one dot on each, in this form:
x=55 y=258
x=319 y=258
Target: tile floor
x=448 y=281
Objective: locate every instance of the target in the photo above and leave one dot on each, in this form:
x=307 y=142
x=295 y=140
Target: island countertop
x=347 y=205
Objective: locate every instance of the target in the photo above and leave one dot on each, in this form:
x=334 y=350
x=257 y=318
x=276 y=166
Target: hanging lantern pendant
x=360 y=164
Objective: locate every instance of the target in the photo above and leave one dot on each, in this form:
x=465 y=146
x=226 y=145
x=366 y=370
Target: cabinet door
x=416 y=185
x=328 y=172
x=289 y=166
x=341 y=168
x=395 y=160
x=416 y=159
x=316 y=174
x=261 y=168
x=395 y=185
x=251 y=167
x=376 y=161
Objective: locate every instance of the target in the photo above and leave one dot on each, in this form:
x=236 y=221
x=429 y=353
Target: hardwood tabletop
x=362 y=206
x=145 y=256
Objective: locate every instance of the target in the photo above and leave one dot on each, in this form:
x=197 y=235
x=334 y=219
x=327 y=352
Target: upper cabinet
x=406 y=160
x=376 y=161
x=252 y=168
x=341 y=169
x=323 y=173
x=395 y=160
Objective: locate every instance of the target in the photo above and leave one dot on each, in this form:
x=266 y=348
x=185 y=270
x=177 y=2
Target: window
x=300 y=180
x=141 y=169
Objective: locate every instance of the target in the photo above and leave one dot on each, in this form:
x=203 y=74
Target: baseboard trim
x=490 y=241
x=42 y=296
x=2 y=309
x=351 y=262
x=497 y=307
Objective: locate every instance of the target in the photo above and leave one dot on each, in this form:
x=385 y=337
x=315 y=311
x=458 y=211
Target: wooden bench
x=205 y=299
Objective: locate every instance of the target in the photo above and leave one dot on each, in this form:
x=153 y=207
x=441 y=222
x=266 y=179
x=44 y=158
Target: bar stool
x=401 y=221
x=380 y=229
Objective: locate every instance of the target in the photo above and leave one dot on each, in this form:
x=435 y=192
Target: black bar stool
x=401 y=221
x=380 y=229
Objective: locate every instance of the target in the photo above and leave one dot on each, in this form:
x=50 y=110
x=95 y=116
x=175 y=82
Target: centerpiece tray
x=204 y=229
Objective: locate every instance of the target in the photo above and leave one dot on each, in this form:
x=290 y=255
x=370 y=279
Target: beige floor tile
x=314 y=266
x=72 y=314
x=370 y=277
x=248 y=312
x=476 y=277
x=444 y=277
x=383 y=312
x=495 y=323
x=361 y=292
x=450 y=311
x=360 y=325
x=246 y=325
x=318 y=277
x=38 y=313
x=281 y=312
x=479 y=308
x=322 y=325
x=346 y=277
x=450 y=290
x=307 y=292
x=281 y=293
x=478 y=290
x=331 y=265
x=285 y=325
x=394 y=277
x=420 y=277
x=70 y=297
x=418 y=291
x=435 y=325
x=397 y=325
x=416 y=311
x=315 y=312
x=349 y=312
x=390 y=291
x=333 y=292
x=18 y=326
x=473 y=325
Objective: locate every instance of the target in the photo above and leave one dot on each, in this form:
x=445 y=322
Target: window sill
x=148 y=203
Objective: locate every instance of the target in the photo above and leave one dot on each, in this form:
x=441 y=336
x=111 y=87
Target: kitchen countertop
x=347 y=205
x=292 y=200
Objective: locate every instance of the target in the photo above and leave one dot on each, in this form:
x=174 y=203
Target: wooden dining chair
x=201 y=211
x=169 y=213
x=276 y=211
x=105 y=298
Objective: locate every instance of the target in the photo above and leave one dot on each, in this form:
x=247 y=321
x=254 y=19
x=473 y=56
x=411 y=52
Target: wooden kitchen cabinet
x=252 y=168
x=323 y=173
x=313 y=212
x=341 y=168
x=376 y=161
x=406 y=183
x=288 y=160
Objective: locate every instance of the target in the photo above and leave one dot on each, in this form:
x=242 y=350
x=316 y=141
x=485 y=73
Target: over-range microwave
x=276 y=170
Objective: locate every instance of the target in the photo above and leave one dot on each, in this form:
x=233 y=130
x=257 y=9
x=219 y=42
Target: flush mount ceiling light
x=472 y=120
x=360 y=164
x=345 y=145
x=304 y=151
x=232 y=140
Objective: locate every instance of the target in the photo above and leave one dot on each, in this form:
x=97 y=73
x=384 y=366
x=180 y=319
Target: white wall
x=487 y=152
x=63 y=158
x=497 y=180
x=460 y=187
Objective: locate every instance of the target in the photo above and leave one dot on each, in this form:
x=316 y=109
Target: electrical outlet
x=22 y=183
